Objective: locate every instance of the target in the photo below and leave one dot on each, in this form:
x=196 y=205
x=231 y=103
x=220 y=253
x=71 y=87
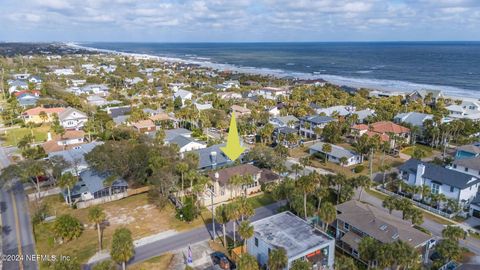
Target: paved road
x=17 y=233
x=182 y=240
x=434 y=227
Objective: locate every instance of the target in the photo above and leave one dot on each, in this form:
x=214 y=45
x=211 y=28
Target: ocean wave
x=364 y=71
x=374 y=84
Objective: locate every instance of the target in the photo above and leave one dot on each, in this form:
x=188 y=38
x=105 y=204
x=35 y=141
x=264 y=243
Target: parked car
x=223 y=261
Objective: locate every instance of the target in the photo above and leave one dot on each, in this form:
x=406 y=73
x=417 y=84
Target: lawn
x=298 y=152
x=427 y=151
x=12 y=136
x=159 y=262
x=134 y=213
x=261 y=200
x=348 y=171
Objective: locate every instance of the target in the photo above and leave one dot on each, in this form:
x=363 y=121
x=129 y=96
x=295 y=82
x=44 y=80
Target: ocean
x=453 y=67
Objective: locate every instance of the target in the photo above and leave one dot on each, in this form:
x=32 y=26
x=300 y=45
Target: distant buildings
x=240 y=110
x=272 y=93
x=299 y=239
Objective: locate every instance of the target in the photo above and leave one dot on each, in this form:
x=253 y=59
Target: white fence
x=52 y=191
x=114 y=197
x=419 y=204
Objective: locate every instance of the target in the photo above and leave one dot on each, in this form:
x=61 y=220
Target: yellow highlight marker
x=233 y=149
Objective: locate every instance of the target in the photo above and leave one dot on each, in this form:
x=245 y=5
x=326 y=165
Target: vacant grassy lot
x=159 y=262
x=261 y=200
x=12 y=136
x=134 y=213
x=426 y=151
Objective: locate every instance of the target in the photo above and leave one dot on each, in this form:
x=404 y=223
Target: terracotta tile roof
x=38 y=110
x=383 y=137
x=52 y=146
x=360 y=127
x=240 y=109
x=387 y=127
x=160 y=117
x=144 y=124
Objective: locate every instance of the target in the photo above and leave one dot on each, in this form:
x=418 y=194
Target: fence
x=419 y=204
x=35 y=195
x=114 y=197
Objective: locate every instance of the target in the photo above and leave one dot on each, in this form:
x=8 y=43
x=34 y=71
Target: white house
x=284 y=121
x=63 y=72
x=467 y=110
x=184 y=95
x=467 y=165
x=455 y=185
x=336 y=154
x=309 y=124
x=272 y=93
x=298 y=238
x=16 y=85
x=71 y=118
x=186 y=143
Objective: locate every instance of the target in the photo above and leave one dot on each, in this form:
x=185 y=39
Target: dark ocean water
x=450 y=66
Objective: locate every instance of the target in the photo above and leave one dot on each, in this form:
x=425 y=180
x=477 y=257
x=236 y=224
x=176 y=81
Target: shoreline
x=373 y=84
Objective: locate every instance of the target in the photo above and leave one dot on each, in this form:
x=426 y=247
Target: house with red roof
x=34 y=115
x=386 y=130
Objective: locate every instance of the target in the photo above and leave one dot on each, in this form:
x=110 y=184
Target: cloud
x=231 y=19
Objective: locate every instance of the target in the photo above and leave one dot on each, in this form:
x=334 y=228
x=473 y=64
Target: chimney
x=245 y=105
x=213 y=158
x=420 y=172
x=216 y=176
x=49 y=136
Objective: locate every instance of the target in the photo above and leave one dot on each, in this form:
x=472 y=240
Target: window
x=466 y=169
x=346 y=226
x=455 y=166
x=256 y=242
x=452 y=189
x=435 y=188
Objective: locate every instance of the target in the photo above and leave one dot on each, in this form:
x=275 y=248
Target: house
x=35 y=80
x=170 y=134
x=95 y=100
x=118 y=111
x=202 y=107
x=474 y=209
x=176 y=86
x=144 y=126
x=224 y=190
x=92 y=185
x=286 y=136
x=285 y=121
x=77 y=82
x=309 y=124
x=422 y=94
x=212 y=157
x=337 y=154
x=363 y=115
x=240 y=110
x=97 y=89
x=356 y=220
x=229 y=95
x=75 y=156
x=455 y=185
x=186 y=144
x=338 y=110
x=21 y=76
x=69 y=140
x=297 y=237
x=63 y=72
x=271 y=93
x=274 y=111
x=468 y=109
x=311 y=82
x=33 y=115
x=415 y=119
x=133 y=81
x=71 y=118
x=468 y=165
x=228 y=85
x=27 y=99
x=184 y=95
x=384 y=129
x=17 y=85
x=468 y=151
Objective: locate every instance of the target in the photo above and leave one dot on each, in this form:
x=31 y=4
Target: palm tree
x=277 y=259
x=245 y=230
x=222 y=218
x=344 y=263
x=68 y=181
x=122 y=249
x=453 y=233
x=306 y=184
x=182 y=168
x=390 y=203
x=301 y=265
x=425 y=191
x=247 y=262
x=362 y=182
x=297 y=167
x=43 y=116
x=326 y=148
x=368 y=249
x=97 y=216
x=233 y=214
x=327 y=214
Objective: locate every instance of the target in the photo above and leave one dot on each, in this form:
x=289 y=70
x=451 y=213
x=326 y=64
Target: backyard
x=10 y=137
x=134 y=213
x=423 y=150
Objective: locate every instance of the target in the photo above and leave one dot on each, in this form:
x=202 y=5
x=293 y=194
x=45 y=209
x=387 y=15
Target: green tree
x=105 y=265
x=326 y=148
x=390 y=203
x=71 y=264
x=122 y=249
x=327 y=214
x=277 y=259
x=453 y=233
x=301 y=265
x=245 y=230
x=67 y=181
x=449 y=250
x=362 y=182
x=368 y=248
x=344 y=263
x=233 y=214
x=222 y=218
x=306 y=185
x=247 y=262
x=67 y=227
x=182 y=168
x=97 y=216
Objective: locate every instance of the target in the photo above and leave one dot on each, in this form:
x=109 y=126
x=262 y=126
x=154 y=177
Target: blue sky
x=239 y=20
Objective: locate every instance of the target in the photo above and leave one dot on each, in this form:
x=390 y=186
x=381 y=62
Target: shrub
x=358 y=169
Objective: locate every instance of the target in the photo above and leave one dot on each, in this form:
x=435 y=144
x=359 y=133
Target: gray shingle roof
x=337 y=151
x=181 y=141
x=92 y=181
x=76 y=155
x=413 y=118
x=317 y=119
x=471 y=163
x=440 y=174
x=206 y=159
x=170 y=134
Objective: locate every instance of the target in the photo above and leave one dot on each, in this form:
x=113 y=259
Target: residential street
x=17 y=233
x=182 y=240
x=435 y=228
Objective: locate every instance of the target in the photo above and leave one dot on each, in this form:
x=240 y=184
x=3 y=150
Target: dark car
x=223 y=261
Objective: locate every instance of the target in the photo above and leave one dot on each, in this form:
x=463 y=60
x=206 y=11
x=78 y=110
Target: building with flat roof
x=300 y=240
